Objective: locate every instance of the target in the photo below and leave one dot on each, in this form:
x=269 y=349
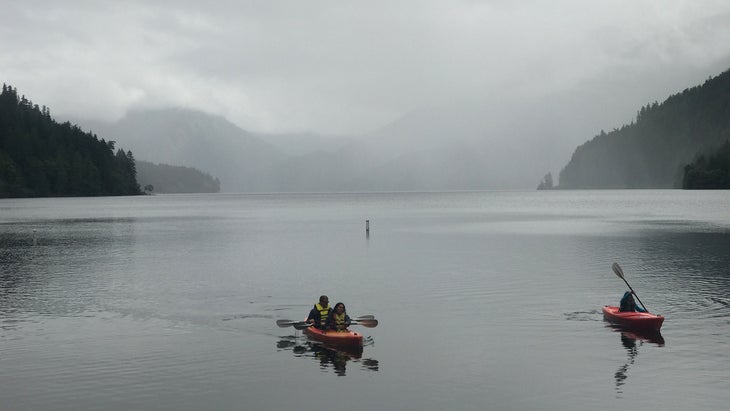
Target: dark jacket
x=628 y=304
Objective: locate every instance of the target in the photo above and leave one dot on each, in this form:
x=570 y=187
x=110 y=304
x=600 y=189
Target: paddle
x=620 y=273
x=365 y=320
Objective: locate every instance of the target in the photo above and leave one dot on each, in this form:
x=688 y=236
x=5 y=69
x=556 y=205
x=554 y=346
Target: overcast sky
x=347 y=67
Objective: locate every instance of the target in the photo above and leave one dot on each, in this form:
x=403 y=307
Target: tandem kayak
x=345 y=338
x=633 y=319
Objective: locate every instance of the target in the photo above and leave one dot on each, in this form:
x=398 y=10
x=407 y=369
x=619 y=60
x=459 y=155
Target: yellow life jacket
x=339 y=321
x=323 y=313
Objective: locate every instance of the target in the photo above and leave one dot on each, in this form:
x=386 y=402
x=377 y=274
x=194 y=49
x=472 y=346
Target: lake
x=485 y=300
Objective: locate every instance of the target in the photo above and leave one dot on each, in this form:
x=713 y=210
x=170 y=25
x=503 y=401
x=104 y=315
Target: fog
x=524 y=82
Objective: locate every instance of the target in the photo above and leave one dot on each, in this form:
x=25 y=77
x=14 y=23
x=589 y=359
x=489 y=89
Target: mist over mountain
x=468 y=145
x=300 y=144
x=192 y=138
x=436 y=149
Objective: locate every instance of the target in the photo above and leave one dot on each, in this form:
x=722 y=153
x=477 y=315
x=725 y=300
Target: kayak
x=633 y=319
x=345 y=338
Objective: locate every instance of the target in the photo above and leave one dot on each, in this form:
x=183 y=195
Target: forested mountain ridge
x=42 y=158
x=164 y=178
x=653 y=151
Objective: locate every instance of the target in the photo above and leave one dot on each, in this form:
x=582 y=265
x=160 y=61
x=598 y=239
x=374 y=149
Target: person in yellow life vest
x=319 y=314
x=338 y=319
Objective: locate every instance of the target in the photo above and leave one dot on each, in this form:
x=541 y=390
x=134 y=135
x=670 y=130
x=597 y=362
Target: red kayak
x=345 y=338
x=633 y=319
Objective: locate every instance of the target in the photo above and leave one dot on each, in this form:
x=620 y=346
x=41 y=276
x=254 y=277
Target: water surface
x=486 y=300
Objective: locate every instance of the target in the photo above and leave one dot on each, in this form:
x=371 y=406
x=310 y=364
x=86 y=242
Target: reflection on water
x=328 y=357
x=629 y=340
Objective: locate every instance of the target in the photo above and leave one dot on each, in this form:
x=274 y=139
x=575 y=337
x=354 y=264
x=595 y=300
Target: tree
x=546 y=183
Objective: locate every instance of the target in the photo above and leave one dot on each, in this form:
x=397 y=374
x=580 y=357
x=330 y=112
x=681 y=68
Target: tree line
x=652 y=152
x=40 y=157
x=709 y=172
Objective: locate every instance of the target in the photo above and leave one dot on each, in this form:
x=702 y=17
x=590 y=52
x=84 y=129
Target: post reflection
x=631 y=341
x=329 y=358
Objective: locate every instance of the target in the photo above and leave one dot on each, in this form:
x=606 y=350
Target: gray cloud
x=349 y=67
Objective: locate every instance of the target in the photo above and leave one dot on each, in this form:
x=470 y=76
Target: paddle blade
x=617 y=269
x=284 y=323
x=366 y=323
x=299 y=325
x=302 y=325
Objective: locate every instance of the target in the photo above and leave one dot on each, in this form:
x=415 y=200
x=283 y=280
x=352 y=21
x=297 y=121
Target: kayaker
x=338 y=319
x=628 y=304
x=320 y=312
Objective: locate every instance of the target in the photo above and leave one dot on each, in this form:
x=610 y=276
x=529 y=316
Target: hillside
x=652 y=152
x=42 y=158
x=164 y=178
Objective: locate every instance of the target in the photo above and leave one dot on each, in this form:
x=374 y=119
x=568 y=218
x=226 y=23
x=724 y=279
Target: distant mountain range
x=455 y=149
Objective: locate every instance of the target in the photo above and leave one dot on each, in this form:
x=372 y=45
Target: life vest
x=339 y=321
x=323 y=313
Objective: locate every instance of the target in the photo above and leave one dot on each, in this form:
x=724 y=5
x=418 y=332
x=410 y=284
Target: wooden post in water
x=35 y=238
x=367 y=228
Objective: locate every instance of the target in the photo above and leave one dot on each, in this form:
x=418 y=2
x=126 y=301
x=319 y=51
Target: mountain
x=164 y=178
x=459 y=147
x=192 y=138
x=463 y=147
x=652 y=152
x=301 y=144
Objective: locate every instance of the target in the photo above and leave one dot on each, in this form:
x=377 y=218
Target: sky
x=349 y=67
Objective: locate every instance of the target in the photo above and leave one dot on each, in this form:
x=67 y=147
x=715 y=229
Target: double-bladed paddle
x=368 y=321
x=620 y=273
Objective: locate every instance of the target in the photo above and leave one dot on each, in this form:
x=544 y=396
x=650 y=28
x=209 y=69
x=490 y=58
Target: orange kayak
x=345 y=338
x=633 y=319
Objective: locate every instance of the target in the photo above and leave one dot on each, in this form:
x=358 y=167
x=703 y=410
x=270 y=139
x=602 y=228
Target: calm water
x=486 y=300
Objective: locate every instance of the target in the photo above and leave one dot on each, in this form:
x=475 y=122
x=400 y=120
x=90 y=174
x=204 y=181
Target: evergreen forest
x=709 y=172
x=653 y=152
x=40 y=157
x=164 y=178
